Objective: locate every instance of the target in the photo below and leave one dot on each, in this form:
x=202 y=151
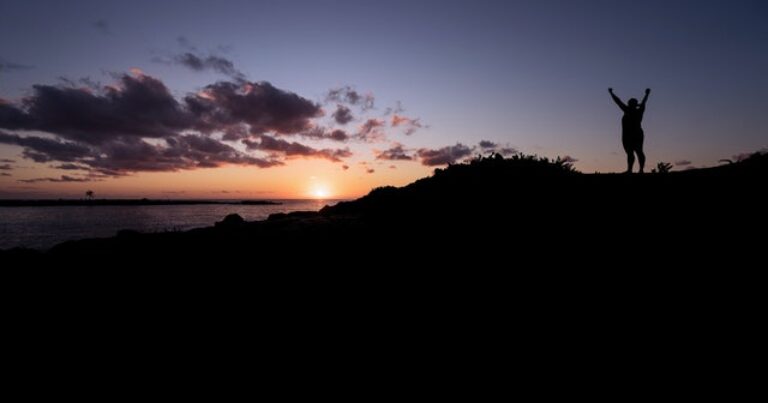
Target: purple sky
x=531 y=75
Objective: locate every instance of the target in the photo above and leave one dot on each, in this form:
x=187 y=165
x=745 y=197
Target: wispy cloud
x=350 y=96
x=71 y=167
x=294 y=149
x=63 y=178
x=372 y=131
x=395 y=153
x=198 y=61
x=218 y=64
x=102 y=26
x=409 y=125
x=8 y=67
x=321 y=133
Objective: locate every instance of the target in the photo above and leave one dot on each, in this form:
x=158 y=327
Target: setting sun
x=320 y=192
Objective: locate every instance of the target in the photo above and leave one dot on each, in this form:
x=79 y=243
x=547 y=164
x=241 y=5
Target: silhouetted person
x=631 y=129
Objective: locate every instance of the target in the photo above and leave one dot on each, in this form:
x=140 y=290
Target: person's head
x=632 y=103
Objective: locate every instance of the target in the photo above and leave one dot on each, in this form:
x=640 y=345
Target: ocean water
x=43 y=227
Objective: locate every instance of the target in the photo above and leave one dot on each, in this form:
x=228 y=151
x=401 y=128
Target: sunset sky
x=315 y=98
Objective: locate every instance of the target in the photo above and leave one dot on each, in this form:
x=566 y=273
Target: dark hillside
x=492 y=210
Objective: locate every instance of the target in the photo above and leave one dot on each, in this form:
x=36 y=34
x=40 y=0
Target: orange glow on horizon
x=299 y=179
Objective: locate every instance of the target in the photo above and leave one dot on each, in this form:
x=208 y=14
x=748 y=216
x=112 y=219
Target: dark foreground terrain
x=492 y=212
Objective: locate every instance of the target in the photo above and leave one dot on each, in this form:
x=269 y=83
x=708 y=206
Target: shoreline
x=129 y=202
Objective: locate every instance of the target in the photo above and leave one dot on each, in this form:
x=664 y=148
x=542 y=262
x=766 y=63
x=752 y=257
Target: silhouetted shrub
x=662 y=168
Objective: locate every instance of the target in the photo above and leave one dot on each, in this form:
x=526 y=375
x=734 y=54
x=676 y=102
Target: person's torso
x=632 y=119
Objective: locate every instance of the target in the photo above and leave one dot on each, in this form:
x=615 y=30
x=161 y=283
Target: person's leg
x=626 y=142
x=630 y=160
x=640 y=153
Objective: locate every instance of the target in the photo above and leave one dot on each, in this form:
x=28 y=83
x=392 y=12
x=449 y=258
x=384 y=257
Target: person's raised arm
x=645 y=98
x=617 y=100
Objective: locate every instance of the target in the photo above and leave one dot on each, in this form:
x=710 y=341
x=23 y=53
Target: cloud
x=370 y=170
x=350 y=96
x=339 y=135
x=320 y=133
x=683 y=163
x=7 y=67
x=142 y=107
x=63 y=178
x=185 y=43
x=235 y=132
x=6 y=167
x=4 y=174
x=13 y=118
x=342 y=115
x=490 y=146
x=107 y=131
x=410 y=125
x=392 y=167
x=137 y=125
x=487 y=145
x=345 y=167
x=371 y=131
x=41 y=149
x=102 y=26
x=259 y=104
x=398 y=109
x=129 y=154
x=71 y=167
x=181 y=152
x=395 y=153
x=218 y=64
x=293 y=149
x=507 y=151
x=444 y=155
x=86 y=84
x=139 y=106
x=7 y=160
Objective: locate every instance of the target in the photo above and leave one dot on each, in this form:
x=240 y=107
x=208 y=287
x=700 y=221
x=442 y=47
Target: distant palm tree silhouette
x=632 y=135
x=89 y=195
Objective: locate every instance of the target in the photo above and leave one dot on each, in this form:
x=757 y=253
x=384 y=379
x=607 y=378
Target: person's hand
x=647 y=91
